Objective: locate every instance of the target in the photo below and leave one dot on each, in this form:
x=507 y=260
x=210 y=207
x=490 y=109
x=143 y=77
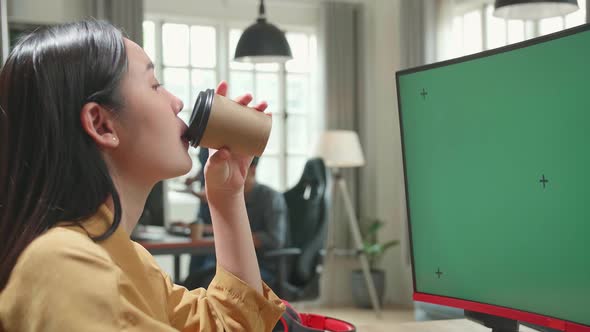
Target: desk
x=167 y=244
x=453 y=325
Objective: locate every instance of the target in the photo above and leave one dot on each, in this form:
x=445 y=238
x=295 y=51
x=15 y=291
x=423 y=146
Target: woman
x=86 y=131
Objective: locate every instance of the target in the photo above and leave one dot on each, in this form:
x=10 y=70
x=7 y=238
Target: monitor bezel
x=537 y=319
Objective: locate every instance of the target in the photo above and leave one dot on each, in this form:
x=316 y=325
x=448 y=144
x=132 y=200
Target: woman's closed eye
x=156 y=86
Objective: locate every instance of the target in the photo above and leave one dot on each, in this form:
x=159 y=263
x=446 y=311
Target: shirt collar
x=119 y=247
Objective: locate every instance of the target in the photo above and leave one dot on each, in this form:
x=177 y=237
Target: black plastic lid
x=200 y=117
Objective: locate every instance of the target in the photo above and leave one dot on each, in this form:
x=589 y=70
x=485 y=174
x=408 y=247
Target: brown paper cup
x=241 y=129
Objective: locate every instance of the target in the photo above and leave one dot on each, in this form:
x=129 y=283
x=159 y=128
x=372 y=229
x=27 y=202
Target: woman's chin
x=188 y=165
x=179 y=169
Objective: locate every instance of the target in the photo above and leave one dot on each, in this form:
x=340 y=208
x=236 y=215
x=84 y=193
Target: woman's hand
x=201 y=195
x=225 y=174
x=225 y=171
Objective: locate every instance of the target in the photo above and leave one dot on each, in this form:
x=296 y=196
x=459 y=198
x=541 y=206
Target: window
x=286 y=152
x=554 y=24
x=190 y=57
x=476 y=29
x=467 y=32
x=579 y=17
x=182 y=69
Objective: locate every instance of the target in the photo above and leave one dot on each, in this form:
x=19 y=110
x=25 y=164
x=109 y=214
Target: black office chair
x=300 y=263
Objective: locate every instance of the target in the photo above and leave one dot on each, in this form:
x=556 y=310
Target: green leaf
x=371 y=248
x=374 y=249
x=374 y=227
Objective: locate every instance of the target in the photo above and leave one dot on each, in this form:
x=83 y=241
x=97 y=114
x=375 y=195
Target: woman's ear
x=98 y=123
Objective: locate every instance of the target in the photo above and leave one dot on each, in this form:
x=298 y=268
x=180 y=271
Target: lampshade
x=340 y=149
x=262 y=42
x=533 y=9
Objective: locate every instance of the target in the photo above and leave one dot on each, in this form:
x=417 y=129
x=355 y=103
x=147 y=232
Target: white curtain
x=125 y=14
x=4 y=42
x=339 y=31
x=414 y=35
x=339 y=37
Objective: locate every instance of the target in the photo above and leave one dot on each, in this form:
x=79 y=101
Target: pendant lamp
x=262 y=42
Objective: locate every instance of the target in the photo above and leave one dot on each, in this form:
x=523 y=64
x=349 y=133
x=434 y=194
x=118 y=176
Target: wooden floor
x=365 y=320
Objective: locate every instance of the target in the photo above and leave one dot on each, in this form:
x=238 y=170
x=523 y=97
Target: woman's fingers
x=261 y=106
x=216 y=155
x=244 y=99
x=221 y=88
x=218 y=168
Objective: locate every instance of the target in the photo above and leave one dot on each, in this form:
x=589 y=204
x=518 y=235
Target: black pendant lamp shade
x=262 y=42
x=533 y=9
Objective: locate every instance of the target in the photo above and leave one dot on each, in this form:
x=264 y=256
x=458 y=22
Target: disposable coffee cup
x=218 y=122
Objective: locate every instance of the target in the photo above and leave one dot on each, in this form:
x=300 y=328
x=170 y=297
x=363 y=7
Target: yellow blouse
x=64 y=281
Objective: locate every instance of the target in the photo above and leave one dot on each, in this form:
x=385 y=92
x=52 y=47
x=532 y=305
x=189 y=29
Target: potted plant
x=374 y=252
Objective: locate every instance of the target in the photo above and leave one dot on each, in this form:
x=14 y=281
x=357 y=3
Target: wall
x=280 y=12
x=48 y=11
x=290 y=12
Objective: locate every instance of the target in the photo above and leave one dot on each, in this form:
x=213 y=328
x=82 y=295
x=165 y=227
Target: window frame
x=532 y=28
x=223 y=70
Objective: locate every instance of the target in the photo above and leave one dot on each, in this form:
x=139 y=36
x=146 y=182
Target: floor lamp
x=342 y=149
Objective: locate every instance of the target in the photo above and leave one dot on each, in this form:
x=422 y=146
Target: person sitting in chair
x=267 y=212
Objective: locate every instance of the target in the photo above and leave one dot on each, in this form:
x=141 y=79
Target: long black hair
x=50 y=168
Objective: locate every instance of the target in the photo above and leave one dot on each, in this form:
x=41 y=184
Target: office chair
x=299 y=264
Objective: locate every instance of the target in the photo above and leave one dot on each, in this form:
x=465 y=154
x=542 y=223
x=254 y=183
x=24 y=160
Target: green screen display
x=497 y=161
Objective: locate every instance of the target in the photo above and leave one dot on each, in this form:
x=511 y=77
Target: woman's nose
x=177 y=104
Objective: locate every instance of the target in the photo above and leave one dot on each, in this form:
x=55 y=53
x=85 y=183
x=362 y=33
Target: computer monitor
x=496 y=152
